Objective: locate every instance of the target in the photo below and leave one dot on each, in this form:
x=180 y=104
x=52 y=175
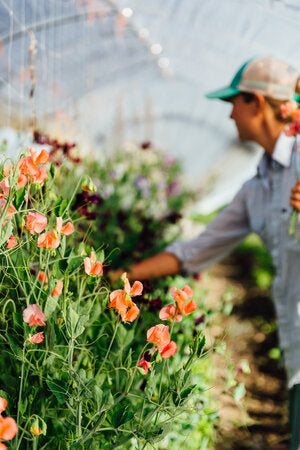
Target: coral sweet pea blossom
x=160 y=336
x=169 y=350
x=50 y=239
x=181 y=296
x=66 y=229
x=37 y=338
x=8 y=428
x=169 y=312
x=58 y=289
x=11 y=209
x=144 y=364
x=28 y=166
x=3 y=404
x=33 y=315
x=121 y=301
x=36 y=222
x=91 y=266
x=43 y=277
x=11 y=242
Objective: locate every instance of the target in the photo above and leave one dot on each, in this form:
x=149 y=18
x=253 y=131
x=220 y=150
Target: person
x=263 y=205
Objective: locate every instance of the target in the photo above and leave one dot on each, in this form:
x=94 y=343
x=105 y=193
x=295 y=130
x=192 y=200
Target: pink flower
x=8 y=428
x=121 y=300
x=144 y=364
x=36 y=222
x=58 y=289
x=181 y=296
x=33 y=315
x=43 y=277
x=37 y=338
x=66 y=229
x=159 y=335
x=91 y=266
x=48 y=240
x=11 y=209
x=40 y=176
x=169 y=312
x=3 y=404
x=12 y=242
x=169 y=350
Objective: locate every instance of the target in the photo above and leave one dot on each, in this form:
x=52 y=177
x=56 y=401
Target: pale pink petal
x=167 y=312
x=59 y=224
x=33 y=315
x=189 y=292
x=87 y=265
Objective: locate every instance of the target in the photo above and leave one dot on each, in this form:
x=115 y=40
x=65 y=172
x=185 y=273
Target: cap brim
x=223 y=94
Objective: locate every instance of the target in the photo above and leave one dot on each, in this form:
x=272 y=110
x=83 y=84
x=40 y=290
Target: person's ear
x=258 y=103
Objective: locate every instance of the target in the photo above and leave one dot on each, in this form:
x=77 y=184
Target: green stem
x=79 y=418
x=108 y=350
x=20 y=393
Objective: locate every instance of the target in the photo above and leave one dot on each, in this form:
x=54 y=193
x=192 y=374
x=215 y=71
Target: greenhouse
x=149 y=239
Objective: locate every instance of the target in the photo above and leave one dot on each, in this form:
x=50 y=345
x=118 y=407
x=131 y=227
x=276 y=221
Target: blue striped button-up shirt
x=261 y=206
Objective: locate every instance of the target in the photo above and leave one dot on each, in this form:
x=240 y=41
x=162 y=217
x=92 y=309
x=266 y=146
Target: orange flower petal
x=159 y=335
x=58 y=289
x=48 y=240
x=3 y=404
x=68 y=229
x=43 y=158
x=136 y=289
x=190 y=307
x=37 y=338
x=167 y=312
x=8 y=428
x=169 y=350
x=132 y=314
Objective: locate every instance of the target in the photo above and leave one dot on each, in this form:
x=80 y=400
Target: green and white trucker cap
x=268 y=76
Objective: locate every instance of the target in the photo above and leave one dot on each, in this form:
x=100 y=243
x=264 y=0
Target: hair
x=273 y=102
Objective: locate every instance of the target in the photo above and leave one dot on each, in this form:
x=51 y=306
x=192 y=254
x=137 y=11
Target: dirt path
x=249 y=333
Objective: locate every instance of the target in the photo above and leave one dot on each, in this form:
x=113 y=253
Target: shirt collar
x=282 y=154
x=283 y=150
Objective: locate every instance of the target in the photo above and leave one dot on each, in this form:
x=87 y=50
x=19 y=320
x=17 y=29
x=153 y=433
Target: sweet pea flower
x=159 y=335
x=43 y=277
x=8 y=428
x=11 y=242
x=66 y=229
x=36 y=222
x=181 y=296
x=40 y=176
x=144 y=364
x=33 y=315
x=169 y=350
x=35 y=429
x=2 y=446
x=50 y=239
x=41 y=159
x=169 y=312
x=91 y=266
x=3 y=404
x=121 y=300
x=37 y=338
x=58 y=289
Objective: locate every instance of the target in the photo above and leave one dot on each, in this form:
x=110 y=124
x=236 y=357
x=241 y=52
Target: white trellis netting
x=103 y=71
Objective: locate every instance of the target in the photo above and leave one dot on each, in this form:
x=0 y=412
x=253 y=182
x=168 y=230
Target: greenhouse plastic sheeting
x=101 y=71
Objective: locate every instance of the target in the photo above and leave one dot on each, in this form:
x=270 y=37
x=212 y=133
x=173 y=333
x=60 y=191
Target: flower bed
x=82 y=363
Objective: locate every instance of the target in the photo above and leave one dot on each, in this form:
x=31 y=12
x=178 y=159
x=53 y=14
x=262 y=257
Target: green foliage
x=81 y=386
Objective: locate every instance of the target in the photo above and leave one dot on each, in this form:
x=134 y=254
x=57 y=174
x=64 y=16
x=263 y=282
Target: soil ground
x=261 y=420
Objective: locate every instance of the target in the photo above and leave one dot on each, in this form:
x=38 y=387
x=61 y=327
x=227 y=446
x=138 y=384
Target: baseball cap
x=262 y=75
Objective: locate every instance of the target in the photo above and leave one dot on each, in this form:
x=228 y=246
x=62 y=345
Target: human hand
x=295 y=196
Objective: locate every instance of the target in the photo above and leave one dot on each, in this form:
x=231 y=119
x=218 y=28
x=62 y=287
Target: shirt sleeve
x=228 y=229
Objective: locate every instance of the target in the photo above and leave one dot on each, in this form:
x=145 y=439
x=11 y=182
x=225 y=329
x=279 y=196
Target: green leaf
x=23 y=406
x=97 y=395
x=51 y=305
x=20 y=195
x=150 y=386
x=15 y=347
x=75 y=323
x=121 y=415
x=74 y=262
x=5 y=232
x=57 y=390
x=52 y=170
